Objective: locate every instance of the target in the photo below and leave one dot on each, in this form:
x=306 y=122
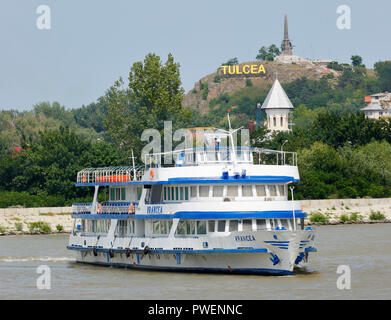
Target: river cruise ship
x=214 y=210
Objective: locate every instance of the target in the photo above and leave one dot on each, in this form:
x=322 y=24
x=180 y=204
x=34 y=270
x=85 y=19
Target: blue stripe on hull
x=200 y=215
x=259 y=271
x=203 y=251
x=224 y=215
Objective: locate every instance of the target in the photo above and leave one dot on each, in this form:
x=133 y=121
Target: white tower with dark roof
x=277 y=107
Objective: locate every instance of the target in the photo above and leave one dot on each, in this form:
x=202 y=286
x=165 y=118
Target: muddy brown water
x=365 y=249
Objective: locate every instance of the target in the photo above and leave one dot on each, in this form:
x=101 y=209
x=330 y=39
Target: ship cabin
x=201 y=193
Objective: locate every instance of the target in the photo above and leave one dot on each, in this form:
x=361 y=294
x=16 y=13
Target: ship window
x=285 y=224
x=168 y=193
x=186 y=193
x=273 y=190
x=232 y=191
x=282 y=190
x=211 y=226
x=190 y=227
x=261 y=191
x=193 y=191
x=181 y=192
x=247 y=191
x=122 y=227
x=204 y=191
x=247 y=225
x=130 y=228
x=156 y=227
x=139 y=191
x=163 y=227
x=112 y=194
x=176 y=193
x=221 y=226
x=233 y=225
x=201 y=227
x=181 y=227
x=172 y=193
x=218 y=191
x=261 y=224
x=165 y=193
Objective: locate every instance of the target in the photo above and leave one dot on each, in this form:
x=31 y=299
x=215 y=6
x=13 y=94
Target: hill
x=216 y=84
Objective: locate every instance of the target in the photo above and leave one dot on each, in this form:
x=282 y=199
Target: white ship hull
x=259 y=252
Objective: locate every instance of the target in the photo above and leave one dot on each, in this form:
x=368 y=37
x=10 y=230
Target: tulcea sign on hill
x=243 y=70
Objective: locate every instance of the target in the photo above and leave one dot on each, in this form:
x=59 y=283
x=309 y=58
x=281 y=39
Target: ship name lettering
x=245 y=238
x=154 y=209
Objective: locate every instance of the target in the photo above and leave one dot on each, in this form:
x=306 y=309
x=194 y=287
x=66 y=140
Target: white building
x=379 y=105
x=277 y=107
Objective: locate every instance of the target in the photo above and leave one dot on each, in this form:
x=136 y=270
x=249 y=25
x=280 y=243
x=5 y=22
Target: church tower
x=278 y=108
x=286 y=43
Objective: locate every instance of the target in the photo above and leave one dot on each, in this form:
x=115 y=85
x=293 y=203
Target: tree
x=356 y=61
x=153 y=95
x=383 y=71
x=268 y=53
x=231 y=62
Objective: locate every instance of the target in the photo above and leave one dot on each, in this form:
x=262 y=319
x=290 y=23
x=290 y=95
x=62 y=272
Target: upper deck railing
x=204 y=156
x=110 y=174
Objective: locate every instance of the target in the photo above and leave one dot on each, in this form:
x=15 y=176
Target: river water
x=364 y=248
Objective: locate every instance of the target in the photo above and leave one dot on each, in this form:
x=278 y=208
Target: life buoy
x=84 y=178
x=131 y=208
x=152 y=173
x=99 y=208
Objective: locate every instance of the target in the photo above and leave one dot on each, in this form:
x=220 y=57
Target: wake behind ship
x=214 y=210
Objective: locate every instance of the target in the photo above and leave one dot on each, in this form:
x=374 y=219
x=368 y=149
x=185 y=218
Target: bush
x=59 y=227
x=249 y=83
x=39 y=227
x=318 y=217
x=355 y=216
x=377 y=216
x=3 y=229
x=344 y=218
x=19 y=226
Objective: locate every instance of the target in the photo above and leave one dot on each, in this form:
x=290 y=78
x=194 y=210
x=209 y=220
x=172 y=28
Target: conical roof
x=277 y=98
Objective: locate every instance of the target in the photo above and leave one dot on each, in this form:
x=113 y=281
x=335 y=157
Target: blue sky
x=92 y=43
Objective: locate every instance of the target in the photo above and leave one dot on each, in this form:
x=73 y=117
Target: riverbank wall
x=18 y=220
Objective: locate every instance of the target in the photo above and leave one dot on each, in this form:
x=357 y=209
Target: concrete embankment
x=18 y=220
x=335 y=210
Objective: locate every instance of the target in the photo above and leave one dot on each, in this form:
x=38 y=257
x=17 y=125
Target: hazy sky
x=92 y=43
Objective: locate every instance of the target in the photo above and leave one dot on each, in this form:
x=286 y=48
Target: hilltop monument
x=286 y=55
x=286 y=43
